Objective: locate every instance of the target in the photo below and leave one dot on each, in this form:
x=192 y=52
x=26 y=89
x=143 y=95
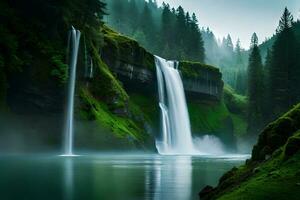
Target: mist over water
x=209 y=144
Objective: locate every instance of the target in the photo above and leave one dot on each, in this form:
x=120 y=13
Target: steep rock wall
x=135 y=68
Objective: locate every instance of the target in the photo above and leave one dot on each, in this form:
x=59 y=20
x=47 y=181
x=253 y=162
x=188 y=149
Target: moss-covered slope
x=273 y=172
x=34 y=73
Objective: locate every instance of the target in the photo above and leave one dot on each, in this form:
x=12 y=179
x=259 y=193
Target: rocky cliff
x=135 y=67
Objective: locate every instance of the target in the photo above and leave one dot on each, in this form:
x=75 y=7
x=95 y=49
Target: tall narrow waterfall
x=176 y=135
x=74 y=40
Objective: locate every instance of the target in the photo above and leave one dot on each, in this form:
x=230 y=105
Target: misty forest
x=144 y=99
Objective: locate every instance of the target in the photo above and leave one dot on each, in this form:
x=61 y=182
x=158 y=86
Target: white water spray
x=176 y=131
x=74 y=40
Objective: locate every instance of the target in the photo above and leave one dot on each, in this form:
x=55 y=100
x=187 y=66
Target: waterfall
x=74 y=40
x=176 y=137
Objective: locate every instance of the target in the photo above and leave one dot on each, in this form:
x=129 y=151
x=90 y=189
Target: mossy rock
x=292 y=146
x=120 y=48
x=276 y=134
x=198 y=70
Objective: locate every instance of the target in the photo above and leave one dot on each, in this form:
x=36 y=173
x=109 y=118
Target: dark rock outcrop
x=135 y=68
x=205 y=191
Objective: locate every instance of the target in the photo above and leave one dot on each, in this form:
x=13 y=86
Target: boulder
x=292 y=146
x=205 y=191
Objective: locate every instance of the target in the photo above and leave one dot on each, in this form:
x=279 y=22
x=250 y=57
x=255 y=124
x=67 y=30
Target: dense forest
x=273 y=85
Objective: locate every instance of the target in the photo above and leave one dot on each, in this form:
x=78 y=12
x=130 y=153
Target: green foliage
x=170 y=33
x=60 y=69
x=122 y=127
x=235 y=103
x=197 y=70
x=276 y=133
x=292 y=146
x=208 y=117
x=105 y=85
x=255 y=88
x=239 y=124
x=284 y=68
x=274 y=180
x=268 y=174
x=121 y=48
x=237 y=106
x=151 y=113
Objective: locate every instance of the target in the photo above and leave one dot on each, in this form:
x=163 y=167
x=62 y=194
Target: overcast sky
x=240 y=18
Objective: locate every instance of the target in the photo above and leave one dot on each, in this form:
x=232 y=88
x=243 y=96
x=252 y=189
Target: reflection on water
x=171 y=179
x=110 y=176
x=68 y=178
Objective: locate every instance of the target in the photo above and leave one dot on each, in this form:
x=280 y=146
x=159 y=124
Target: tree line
x=273 y=86
x=165 y=31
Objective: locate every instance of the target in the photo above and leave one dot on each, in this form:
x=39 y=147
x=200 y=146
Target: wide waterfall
x=74 y=40
x=176 y=135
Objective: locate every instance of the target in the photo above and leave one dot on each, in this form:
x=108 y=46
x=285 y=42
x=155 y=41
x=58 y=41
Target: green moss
x=276 y=133
x=292 y=146
x=275 y=176
x=151 y=113
x=239 y=124
x=274 y=179
x=235 y=103
x=207 y=117
x=196 y=69
x=121 y=48
x=122 y=127
x=105 y=85
x=60 y=69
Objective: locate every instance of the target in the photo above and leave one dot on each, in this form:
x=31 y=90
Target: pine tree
x=133 y=14
x=238 y=55
x=147 y=26
x=266 y=71
x=255 y=88
x=167 y=35
x=284 y=69
x=180 y=28
x=198 y=40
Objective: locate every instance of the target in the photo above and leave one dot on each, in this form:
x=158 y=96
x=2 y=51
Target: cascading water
x=74 y=40
x=176 y=131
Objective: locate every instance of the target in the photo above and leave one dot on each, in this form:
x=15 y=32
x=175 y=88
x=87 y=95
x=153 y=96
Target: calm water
x=110 y=176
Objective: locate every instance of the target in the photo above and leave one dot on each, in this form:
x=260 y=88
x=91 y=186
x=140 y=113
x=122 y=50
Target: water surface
x=110 y=176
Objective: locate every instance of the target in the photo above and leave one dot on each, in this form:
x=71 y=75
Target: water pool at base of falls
x=111 y=176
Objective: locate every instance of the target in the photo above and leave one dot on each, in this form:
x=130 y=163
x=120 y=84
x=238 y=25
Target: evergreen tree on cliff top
x=197 y=43
x=255 y=88
x=284 y=69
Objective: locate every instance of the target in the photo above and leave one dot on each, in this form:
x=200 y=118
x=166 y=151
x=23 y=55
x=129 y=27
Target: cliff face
x=203 y=85
x=201 y=80
x=135 y=67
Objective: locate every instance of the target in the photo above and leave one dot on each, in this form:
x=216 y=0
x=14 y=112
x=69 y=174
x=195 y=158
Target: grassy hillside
x=273 y=172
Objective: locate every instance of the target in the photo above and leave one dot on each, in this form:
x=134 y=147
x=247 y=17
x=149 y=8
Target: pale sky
x=240 y=18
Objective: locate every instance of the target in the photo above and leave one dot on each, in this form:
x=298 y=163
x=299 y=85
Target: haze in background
x=238 y=17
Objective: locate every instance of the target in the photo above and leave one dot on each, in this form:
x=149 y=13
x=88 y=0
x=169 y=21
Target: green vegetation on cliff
x=237 y=106
x=208 y=117
x=118 y=47
x=197 y=69
x=121 y=126
x=274 y=169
